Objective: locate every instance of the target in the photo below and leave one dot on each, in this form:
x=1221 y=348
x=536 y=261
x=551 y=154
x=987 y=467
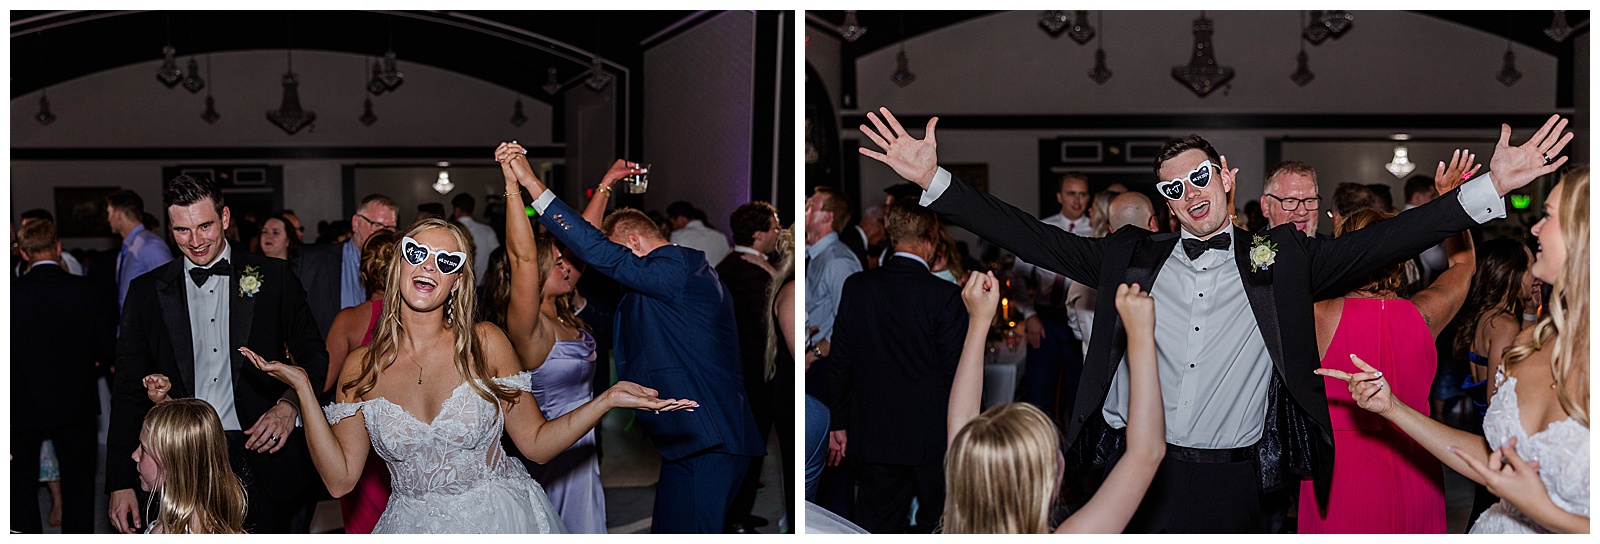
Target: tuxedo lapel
x=241 y=314
x=1258 y=288
x=1143 y=268
x=174 y=301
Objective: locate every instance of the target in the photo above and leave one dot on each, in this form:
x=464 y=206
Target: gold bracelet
x=518 y=193
x=606 y=190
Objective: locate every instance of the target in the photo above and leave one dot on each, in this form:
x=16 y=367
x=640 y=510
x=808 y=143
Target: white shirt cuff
x=544 y=200
x=1480 y=199
x=941 y=181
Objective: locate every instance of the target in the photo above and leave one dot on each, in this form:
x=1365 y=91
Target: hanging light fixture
x=210 y=116
x=192 y=81
x=1559 y=30
x=1100 y=74
x=169 y=74
x=44 y=117
x=1302 y=73
x=551 y=84
x=1202 y=75
x=851 y=30
x=517 y=117
x=902 y=75
x=1316 y=32
x=1337 y=22
x=598 y=78
x=1081 y=31
x=290 y=116
x=1400 y=166
x=443 y=185
x=375 y=84
x=367 y=117
x=391 y=76
x=1054 y=22
x=1509 y=75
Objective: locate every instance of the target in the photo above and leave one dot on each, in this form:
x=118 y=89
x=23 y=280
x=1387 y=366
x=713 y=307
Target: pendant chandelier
x=1203 y=75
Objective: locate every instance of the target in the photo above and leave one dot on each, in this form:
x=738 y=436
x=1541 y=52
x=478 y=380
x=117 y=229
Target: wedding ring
x=274 y=439
x=1547 y=159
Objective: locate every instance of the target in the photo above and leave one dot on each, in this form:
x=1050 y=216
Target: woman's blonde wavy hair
x=1567 y=325
x=1001 y=473
x=199 y=492
x=460 y=317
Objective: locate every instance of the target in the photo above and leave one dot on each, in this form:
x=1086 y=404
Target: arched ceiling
x=509 y=48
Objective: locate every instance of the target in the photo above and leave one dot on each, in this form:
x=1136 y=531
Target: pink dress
x=1383 y=481
x=364 y=504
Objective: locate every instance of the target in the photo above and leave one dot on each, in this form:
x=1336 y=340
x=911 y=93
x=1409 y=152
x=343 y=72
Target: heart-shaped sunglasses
x=416 y=253
x=1199 y=178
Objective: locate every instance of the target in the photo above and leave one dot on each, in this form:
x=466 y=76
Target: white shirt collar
x=227 y=253
x=913 y=257
x=748 y=249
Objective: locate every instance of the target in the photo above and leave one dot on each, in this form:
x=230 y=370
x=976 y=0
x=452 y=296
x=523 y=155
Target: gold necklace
x=413 y=358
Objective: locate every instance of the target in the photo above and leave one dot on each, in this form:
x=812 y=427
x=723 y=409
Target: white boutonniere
x=1262 y=253
x=250 y=281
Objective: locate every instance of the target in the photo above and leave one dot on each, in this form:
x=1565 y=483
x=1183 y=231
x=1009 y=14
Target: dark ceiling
x=886 y=28
x=48 y=47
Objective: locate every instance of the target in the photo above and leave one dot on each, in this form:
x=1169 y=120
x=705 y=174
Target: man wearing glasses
x=1290 y=196
x=331 y=273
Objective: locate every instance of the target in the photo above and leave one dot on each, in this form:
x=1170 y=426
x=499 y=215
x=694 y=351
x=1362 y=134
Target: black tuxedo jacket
x=1297 y=439
x=856 y=241
x=896 y=340
x=320 y=268
x=747 y=283
x=59 y=326
x=156 y=339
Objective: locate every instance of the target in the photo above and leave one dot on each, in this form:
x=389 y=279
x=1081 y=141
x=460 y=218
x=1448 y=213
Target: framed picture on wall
x=81 y=211
x=976 y=175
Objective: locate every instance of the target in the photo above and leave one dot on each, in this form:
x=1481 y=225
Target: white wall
x=126 y=107
x=699 y=92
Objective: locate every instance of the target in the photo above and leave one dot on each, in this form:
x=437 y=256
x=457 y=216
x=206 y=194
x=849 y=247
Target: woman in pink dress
x=1383 y=482
x=352 y=327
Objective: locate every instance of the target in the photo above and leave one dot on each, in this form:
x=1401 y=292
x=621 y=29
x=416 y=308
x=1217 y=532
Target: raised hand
x=620 y=169
x=981 y=294
x=156 y=387
x=1370 y=391
x=1226 y=174
x=626 y=394
x=1515 y=167
x=1462 y=167
x=1137 y=308
x=915 y=160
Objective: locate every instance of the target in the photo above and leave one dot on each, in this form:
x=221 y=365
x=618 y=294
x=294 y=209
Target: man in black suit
x=186 y=320
x=331 y=273
x=896 y=340
x=58 y=321
x=747 y=274
x=1245 y=413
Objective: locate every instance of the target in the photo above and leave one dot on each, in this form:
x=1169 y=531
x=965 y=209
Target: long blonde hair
x=460 y=317
x=784 y=277
x=199 y=492
x=1568 y=323
x=1011 y=448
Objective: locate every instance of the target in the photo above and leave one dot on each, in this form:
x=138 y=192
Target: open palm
x=915 y=160
x=1515 y=167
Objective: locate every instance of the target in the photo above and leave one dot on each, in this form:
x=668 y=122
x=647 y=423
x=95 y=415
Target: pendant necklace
x=413 y=357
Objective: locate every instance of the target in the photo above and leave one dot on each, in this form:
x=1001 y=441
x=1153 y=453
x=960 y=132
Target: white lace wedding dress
x=1562 y=450
x=452 y=476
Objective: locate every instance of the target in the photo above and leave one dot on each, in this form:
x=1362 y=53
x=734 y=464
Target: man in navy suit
x=676 y=333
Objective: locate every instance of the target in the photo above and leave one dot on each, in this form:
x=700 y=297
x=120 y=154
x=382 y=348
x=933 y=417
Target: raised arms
x=524 y=324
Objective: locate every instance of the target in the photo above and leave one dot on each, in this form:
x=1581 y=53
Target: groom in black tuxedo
x=186 y=320
x=1234 y=332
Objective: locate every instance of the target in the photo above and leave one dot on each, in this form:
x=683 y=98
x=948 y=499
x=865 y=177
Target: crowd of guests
x=1219 y=318
x=221 y=335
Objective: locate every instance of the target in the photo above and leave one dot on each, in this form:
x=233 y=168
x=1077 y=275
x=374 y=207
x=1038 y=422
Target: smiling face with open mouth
x=1201 y=210
x=431 y=262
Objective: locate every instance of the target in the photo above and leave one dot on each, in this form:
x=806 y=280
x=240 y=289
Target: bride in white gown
x=432 y=395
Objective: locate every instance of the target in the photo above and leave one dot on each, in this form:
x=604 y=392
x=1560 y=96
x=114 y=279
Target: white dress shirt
x=696 y=235
x=208 y=324
x=1043 y=281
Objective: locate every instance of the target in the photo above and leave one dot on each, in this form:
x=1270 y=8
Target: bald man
x=1126 y=209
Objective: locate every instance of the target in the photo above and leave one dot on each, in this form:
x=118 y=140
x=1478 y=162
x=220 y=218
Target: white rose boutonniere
x=1262 y=253
x=250 y=282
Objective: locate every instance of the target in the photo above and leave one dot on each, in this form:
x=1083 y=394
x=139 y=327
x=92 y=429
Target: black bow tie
x=1196 y=248
x=222 y=268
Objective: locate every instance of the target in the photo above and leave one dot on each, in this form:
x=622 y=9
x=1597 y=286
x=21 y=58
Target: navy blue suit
x=675 y=332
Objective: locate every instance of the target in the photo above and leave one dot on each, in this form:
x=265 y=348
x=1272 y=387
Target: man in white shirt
x=689 y=230
x=1055 y=356
x=483 y=238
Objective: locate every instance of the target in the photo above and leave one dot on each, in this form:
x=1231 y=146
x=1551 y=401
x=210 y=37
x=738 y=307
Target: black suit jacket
x=156 y=339
x=896 y=340
x=853 y=238
x=747 y=283
x=320 y=268
x=1298 y=437
x=59 y=323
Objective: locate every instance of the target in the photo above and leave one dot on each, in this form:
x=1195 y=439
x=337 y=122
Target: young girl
x=1003 y=469
x=183 y=457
